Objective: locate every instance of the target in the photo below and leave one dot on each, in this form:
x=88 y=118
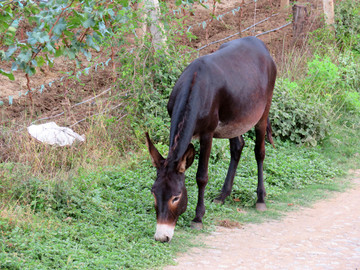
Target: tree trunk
x=152 y=10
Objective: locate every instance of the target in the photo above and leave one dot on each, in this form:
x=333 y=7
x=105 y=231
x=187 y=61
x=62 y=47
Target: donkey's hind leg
x=236 y=147
x=260 y=130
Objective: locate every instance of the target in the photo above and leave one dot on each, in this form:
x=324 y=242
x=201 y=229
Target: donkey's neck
x=183 y=121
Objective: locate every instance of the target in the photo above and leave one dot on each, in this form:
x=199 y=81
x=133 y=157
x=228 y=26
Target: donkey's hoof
x=196 y=225
x=218 y=201
x=261 y=207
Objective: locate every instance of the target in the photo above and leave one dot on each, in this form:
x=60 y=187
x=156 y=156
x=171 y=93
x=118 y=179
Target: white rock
x=51 y=133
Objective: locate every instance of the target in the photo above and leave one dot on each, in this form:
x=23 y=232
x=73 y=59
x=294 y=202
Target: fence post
x=329 y=11
x=284 y=4
x=300 y=17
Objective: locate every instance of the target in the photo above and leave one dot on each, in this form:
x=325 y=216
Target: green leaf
x=59 y=52
x=7 y=74
x=30 y=70
x=102 y=28
x=14 y=66
x=34 y=63
x=10 y=52
x=50 y=61
x=124 y=3
x=24 y=56
x=87 y=54
x=50 y=48
x=59 y=27
x=40 y=61
x=90 y=42
x=88 y=23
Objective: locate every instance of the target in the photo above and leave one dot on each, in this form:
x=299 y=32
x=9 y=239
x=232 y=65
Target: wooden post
x=300 y=16
x=284 y=4
x=329 y=11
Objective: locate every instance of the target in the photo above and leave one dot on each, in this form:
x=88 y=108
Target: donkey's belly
x=232 y=130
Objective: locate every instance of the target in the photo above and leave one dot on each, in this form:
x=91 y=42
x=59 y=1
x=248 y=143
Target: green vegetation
x=90 y=207
x=105 y=219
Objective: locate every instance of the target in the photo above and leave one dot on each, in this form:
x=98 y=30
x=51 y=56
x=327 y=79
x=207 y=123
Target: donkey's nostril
x=163 y=239
x=164 y=232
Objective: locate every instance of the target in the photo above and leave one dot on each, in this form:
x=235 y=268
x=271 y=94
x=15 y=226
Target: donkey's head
x=169 y=190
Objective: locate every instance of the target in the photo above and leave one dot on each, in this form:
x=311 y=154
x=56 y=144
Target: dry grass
x=17 y=215
x=99 y=149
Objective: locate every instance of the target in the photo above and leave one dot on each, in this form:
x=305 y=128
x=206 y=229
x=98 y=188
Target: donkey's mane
x=180 y=126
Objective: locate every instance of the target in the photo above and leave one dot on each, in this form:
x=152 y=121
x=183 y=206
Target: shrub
x=351 y=101
x=347 y=24
x=295 y=117
x=151 y=77
x=349 y=65
x=322 y=77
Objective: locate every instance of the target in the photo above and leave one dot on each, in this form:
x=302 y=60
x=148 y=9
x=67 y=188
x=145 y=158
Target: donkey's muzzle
x=164 y=232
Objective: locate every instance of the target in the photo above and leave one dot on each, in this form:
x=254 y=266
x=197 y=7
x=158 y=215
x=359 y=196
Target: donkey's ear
x=187 y=159
x=156 y=157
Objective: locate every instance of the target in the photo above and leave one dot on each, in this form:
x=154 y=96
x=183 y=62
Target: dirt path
x=326 y=236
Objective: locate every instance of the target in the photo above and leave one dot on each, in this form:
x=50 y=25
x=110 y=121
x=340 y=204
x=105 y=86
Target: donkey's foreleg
x=236 y=146
x=260 y=130
x=202 y=178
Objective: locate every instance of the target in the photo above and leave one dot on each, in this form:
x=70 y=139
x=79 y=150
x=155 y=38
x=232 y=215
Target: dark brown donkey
x=220 y=95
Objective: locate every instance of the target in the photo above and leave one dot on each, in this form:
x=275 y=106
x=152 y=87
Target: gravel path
x=326 y=236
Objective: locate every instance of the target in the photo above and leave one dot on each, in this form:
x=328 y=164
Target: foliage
x=151 y=76
x=322 y=76
x=105 y=218
x=287 y=166
x=58 y=28
x=347 y=24
x=323 y=41
x=295 y=117
x=349 y=65
x=351 y=100
x=304 y=110
x=98 y=220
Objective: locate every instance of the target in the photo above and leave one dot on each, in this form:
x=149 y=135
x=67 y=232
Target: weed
x=297 y=117
x=72 y=208
x=347 y=24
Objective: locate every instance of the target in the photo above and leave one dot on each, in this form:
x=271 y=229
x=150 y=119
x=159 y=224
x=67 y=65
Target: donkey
x=220 y=95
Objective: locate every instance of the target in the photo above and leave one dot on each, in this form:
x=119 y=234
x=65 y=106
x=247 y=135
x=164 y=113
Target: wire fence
x=109 y=89
x=203 y=24
x=105 y=63
x=41 y=88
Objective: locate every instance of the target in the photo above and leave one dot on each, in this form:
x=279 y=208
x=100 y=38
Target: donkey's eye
x=176 y=199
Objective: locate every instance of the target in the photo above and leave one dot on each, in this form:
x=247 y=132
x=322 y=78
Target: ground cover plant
x=90 y=207
x=105 y=219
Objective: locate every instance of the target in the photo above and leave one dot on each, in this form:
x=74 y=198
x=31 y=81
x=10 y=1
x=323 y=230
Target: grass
x=105 y=219
x=102 y=217
x=90 y=206
x=76 y=213
x=290 y=200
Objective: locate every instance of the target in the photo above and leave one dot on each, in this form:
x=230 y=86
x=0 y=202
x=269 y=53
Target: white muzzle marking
x=164 y=232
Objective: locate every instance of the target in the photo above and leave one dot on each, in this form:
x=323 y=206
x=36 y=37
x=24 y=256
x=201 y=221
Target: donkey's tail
x=269 y=133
